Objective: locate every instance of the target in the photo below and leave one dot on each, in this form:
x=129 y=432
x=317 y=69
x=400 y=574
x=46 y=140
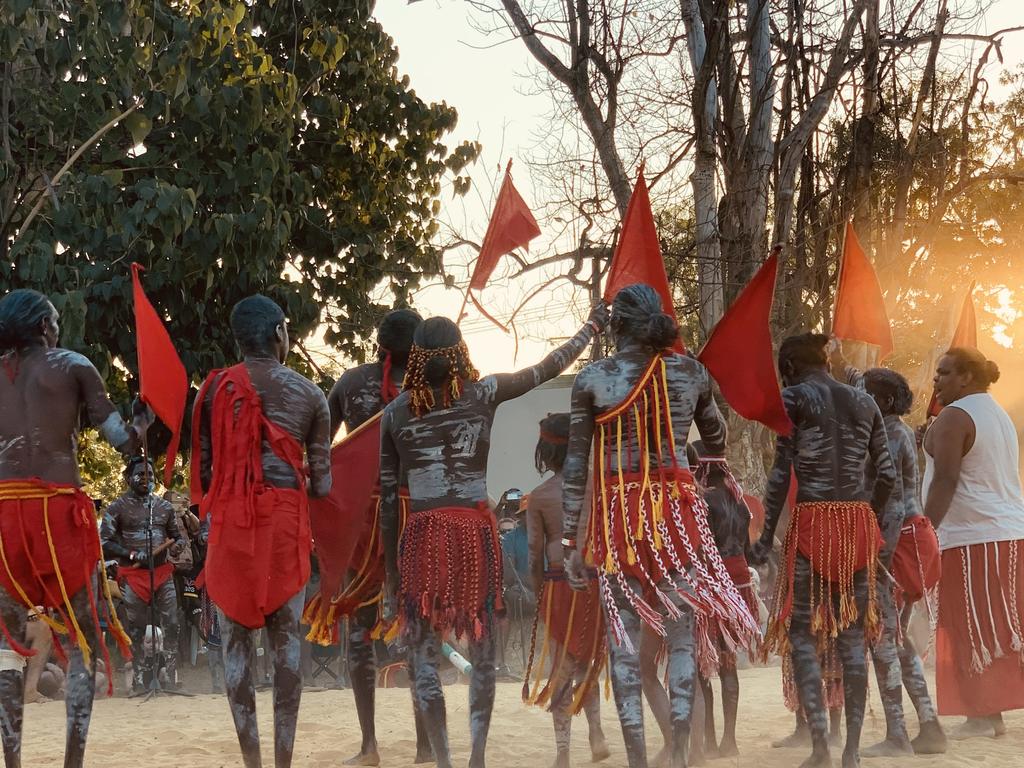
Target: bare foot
x=977 y=727
x=931 y=740
x=561 y=760
x=891 y=747
x=364 y=758
x=851 y=760
x=801 y=737
x=820 y=758
x=423 y=755
x=728 y=748
x=598 y=748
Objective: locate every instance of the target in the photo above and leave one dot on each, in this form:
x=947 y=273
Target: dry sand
x=197 y=732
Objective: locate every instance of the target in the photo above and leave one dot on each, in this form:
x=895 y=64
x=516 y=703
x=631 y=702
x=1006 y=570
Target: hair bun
x=662 y=331
x=992 y=370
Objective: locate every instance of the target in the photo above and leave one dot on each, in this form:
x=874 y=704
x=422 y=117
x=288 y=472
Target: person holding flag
x=252 y=425
x=48 y=529
x=356 y=398
x=647 y=533
x=446 y=575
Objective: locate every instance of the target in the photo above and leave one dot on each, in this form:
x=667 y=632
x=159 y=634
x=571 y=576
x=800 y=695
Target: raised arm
x=950 y=436
x=125 y=438
x=885 y=471
x=390 y=472
x=509 y=386
x=318 y=449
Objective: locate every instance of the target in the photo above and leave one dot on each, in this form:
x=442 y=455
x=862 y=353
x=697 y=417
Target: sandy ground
x=198 y=732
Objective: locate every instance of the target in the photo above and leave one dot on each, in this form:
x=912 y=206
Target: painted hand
x=599 y=315
x=574 y=571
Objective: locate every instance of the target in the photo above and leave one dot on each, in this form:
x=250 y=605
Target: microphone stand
x=155 y=687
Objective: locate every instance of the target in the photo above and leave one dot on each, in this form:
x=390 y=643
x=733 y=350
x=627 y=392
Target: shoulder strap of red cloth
x=238 y=427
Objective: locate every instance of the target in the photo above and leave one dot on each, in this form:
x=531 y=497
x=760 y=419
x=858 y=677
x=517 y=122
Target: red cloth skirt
x=138 y=579
x=979 y=661
x=569 y=628
x=916 y=563
x=450 y=570
x=251 y=571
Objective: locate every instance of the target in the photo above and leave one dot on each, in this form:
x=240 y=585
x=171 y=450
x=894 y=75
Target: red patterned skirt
x=979 y=657
x=569 y=631
x=450 y=571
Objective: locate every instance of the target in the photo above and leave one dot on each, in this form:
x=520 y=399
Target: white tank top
x=987 y=504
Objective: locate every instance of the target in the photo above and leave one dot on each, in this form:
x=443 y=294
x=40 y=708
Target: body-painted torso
x=126 y=523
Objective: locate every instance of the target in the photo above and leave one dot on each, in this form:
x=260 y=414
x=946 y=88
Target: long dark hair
x=553 y=443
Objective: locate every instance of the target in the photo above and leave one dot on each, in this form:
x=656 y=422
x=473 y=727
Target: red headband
x=548 y=437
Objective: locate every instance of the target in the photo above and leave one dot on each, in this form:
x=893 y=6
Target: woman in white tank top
x=973 y=496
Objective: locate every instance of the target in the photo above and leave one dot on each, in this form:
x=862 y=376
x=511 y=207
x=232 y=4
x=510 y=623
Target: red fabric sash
x=138 y=579
x=260 y=541
x=916 y=563
x=451 y=570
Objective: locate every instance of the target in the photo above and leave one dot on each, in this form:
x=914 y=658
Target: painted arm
x=390 y=471
x=778 y=484
x=110 y=534
x=336 y=405
x=173 y=530
x=512 y=385
x=536 y=545
x=885 y=471
x=318 y=449
x=709 y=419
x=949 y=438
x=125 y=438
x=574 y=478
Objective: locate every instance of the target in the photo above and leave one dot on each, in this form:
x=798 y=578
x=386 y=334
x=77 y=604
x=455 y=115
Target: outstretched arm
x=509 y=386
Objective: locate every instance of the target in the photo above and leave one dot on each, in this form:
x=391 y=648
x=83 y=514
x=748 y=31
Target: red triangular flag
x=163 y=383
x=965 y=335
x=637 y=257
x=860 y=309
x=337 y=521
x=512 y=226
x=739 y=353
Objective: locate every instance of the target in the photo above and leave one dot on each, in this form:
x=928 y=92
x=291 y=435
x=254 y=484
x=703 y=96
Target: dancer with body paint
x=358 y=396
x=446 y=576
x=572 y=621
x=48 y=526
x=125 y=537
x=730 y=524
x=973 y=497
x=251 y=425
x=829 y=589
x=647 y=533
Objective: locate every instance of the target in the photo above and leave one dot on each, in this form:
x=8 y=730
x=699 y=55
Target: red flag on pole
x=163 y=383
x=337 y=520
x=739 y=353
x=965 y=335
x=860 y=309
x=637 y=257
x=512 y=226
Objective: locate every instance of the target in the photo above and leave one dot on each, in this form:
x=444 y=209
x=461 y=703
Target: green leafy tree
x=230 y=148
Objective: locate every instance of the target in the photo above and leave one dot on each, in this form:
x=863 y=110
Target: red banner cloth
x=163 y=383
x=965 y=335
x=512 y=226
x=637 y=257
x=138 y=579
x=860 y=309
x=739 y=353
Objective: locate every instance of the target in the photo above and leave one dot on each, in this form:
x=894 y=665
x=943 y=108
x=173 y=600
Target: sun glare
x=1007 y=312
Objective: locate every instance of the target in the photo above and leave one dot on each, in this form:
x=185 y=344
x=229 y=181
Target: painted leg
x=424 y=753
x=136 y=620
x=561 y=684
x=238 y=680
x=682 y=678
x=627 y=685
x=730 y=705
x=283 y=635
x=696 y=753
x=932 y=739
x=426 y=656
x=654 y=691
x=167 y=608
x=481 y=692
x=807 y=667
x=889 y=676
x=592 y=710
x=362 y=671
x=850 y=645
x=80 y=683
x=12 y=683
x=710 y=737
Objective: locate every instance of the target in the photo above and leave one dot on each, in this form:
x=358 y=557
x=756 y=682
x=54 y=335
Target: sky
x=493 y=84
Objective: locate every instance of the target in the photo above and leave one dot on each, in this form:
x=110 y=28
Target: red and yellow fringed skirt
x=364 y=585
x=739 y=572
x=979 y=645
x=570 y=630
x=50 y=550
x=838 y=538
x=450 y=571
